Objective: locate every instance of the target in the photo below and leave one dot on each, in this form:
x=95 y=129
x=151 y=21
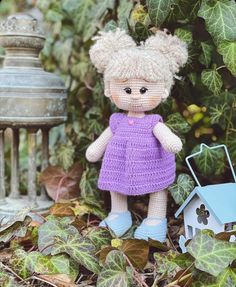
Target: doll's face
x=136 y=94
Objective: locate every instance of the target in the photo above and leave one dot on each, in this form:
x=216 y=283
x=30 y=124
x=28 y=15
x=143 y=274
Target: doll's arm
x=95 y=151
x=167 y=138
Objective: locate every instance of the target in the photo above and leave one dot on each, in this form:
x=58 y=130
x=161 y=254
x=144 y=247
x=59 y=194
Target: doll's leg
x=119 y=219
x=157 y=207
x=118 y=202
x=155 y=225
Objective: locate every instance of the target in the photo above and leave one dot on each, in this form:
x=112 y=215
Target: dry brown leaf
x=60 y=184
x=60 y=280
x=62 y=209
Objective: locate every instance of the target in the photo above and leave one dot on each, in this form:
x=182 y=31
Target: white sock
x=118 y=204
x=157 y=207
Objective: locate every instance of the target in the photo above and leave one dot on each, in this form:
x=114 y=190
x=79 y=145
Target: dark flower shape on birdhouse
x=203 y=214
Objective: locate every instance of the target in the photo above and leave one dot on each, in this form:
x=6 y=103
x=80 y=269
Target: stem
x=229 y=119
x=181 y=280
x=137 y=276
x=221 y=67
x=171 y=242
x=59 y=186
x=14 y=273
x=185 y=271
x=44 y=280
x=157 y=279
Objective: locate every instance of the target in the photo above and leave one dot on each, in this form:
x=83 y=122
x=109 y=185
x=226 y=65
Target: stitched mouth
x=136 y=105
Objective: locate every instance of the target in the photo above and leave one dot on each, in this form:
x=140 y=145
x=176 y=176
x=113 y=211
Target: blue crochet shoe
x=120 y=224
x=156 y=232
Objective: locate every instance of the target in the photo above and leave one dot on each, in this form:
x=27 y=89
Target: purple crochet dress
x=134 y=162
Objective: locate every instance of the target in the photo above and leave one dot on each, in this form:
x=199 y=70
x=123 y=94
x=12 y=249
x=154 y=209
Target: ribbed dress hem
x=142 y=191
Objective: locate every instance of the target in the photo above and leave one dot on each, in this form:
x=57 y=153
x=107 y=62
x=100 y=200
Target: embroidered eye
x=128 y=90
x=143 y=90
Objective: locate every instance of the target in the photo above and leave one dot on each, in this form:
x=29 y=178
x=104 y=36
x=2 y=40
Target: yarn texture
x=135 y=162
x=137 y=149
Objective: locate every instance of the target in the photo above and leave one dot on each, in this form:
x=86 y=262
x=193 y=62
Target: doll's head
x=138 y=78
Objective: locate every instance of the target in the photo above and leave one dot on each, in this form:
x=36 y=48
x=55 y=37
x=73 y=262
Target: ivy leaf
x=88 y=187
x=123 y=12
x=55 y=227
x=182 y=188
x=178 y=124
x=212 y=80
x=25 y=264
x=115 y=272
x=203 y=279
x=158 y=10
x=60 y=184
x=227 y=278
x=80 y=249
x=21 y=261
x=217 y=114
x=206 y=161
x=62 y=209
x=228 y=50
x=82 y=208
x=211 y=255
x=98 y=236
x=6 y=280
x=184 y=35
x=137 y=251
x=53 y=16
x=165 y=263
x=220 y=18
x=183 y=260
x=141 y=31
x=15 y=227
x=64 y=156
x=205 y=57
x=82 y=13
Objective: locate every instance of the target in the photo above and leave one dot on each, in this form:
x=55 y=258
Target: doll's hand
x=173 y=144
x=92 y=154
x=167 y=138
x=95 y=151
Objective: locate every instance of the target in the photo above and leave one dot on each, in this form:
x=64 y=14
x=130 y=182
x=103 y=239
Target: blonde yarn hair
x=159 y=58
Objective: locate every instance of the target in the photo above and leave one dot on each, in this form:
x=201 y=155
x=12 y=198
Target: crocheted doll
x=138 y=148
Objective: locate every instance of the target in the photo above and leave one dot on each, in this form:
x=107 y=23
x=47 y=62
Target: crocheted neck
x=139 y=115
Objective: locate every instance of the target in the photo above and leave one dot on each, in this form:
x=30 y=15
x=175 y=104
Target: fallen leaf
x=60 y=184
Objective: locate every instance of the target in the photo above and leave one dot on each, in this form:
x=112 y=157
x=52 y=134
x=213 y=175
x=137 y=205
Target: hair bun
x=174 y=49
x=106 y=44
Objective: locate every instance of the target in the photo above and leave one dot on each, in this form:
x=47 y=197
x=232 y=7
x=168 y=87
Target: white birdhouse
x=211 y=206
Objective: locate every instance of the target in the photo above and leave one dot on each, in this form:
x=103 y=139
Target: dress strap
x=115 y=120
x=156 y=119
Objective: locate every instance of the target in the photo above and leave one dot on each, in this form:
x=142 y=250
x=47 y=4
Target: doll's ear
x=174 y=49
x=106 y=44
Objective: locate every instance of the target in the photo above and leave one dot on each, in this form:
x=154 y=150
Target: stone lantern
x=30 y=99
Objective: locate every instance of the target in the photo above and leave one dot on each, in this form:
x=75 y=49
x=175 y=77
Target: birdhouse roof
x=220 y=200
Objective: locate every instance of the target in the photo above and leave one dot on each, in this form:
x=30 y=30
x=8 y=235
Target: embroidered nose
x=135 y=96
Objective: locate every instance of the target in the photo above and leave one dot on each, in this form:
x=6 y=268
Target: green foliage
x=75 y=248
x=182 y=188
x=212 y=80
x=211 y=255
x=206 y=161
x=220 y=17
x=201 y=108
x=80 y=249
x=115 y=271
x=158 y=10
x=228 y=50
